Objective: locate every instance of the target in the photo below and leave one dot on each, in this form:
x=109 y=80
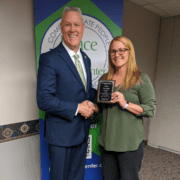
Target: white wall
x=17 y=62
x=20 y=159
x=160 y=59
x=165 y=127
x=142 y=28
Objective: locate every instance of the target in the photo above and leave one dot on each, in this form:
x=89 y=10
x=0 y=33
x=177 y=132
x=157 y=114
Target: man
x=64 y=91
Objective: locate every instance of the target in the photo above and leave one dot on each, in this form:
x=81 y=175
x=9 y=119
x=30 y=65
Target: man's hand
x=86 y=109
x=94 y=106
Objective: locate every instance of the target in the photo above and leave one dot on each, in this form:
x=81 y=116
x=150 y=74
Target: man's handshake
x=86 y=109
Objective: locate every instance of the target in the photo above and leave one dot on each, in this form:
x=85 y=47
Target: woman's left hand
x=119 y=98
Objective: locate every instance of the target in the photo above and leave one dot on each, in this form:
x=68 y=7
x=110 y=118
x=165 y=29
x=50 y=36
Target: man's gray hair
x=71 y=8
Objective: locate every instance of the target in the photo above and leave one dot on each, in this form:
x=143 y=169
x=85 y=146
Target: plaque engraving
x=105 y=89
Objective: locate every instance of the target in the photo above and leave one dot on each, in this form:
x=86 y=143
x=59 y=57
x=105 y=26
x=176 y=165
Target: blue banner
x=103 y=21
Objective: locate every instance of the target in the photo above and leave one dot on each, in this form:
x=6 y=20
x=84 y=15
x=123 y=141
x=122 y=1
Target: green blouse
x=122 y=130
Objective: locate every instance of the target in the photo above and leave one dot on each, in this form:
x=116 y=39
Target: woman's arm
x=134 y=108
x=118 y=97
x=147 y=104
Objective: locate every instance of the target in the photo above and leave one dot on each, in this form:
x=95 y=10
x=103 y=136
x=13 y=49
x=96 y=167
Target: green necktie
x=79 y=69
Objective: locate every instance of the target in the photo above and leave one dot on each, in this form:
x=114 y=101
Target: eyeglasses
x=120 y=51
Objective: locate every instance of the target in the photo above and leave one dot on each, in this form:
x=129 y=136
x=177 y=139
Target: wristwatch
x=126 y=105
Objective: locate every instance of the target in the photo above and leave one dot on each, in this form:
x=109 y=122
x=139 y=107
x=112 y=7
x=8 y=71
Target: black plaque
x=105 y=89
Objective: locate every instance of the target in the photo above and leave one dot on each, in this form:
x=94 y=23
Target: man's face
x=72 y=28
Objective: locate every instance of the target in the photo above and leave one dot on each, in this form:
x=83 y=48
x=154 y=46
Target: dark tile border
x=19 y=130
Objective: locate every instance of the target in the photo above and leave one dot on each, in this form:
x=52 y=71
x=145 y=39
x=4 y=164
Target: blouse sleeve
x=147 y=98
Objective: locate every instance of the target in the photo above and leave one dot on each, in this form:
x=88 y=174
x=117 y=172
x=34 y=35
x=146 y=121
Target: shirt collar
x=70 y=51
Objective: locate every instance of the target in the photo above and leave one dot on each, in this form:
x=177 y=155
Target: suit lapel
x=67 y=59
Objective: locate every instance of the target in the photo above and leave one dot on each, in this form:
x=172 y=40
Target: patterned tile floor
x=159 y=164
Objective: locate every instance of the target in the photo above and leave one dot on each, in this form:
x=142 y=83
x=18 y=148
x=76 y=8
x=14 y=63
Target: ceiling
x=163 y=8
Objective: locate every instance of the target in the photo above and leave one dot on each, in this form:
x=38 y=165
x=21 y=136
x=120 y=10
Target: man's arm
x=93 y=94
x=46 y=98
x=46 y=89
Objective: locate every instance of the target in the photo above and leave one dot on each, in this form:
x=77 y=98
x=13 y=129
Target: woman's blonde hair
x=133 y=74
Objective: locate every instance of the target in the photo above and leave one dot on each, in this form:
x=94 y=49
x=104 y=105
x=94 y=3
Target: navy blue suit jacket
x=59 y=90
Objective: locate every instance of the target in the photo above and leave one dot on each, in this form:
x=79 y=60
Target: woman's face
x=120 y=58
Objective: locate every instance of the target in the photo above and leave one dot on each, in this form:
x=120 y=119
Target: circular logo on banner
x=95 y=43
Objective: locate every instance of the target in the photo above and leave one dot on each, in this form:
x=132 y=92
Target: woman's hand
x=119 y=98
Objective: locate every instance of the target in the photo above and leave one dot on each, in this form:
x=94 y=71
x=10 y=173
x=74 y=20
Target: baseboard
x=170 y=150
x=152 y=146
x=163 y=148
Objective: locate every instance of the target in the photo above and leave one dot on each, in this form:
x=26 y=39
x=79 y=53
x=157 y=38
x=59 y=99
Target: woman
x=121 y=139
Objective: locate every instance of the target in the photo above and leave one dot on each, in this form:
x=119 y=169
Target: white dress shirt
x=71 y=54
